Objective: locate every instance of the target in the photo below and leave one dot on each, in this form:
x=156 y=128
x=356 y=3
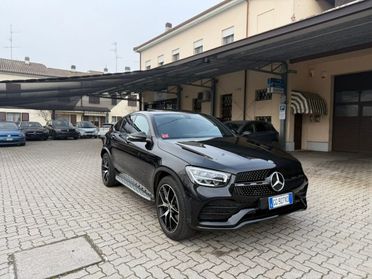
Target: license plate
x=9 y=139
x=279 y=201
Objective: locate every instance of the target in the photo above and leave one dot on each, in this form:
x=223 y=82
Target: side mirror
x=138 y=137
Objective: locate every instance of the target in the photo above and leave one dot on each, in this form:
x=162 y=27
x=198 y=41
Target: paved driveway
x=50 y=191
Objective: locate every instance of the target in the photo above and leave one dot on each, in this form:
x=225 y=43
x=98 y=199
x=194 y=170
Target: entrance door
x=226 y=107
x=298 y=131
x=352 y=122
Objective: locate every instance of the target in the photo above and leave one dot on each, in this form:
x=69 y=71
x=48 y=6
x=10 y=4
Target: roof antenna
x=11 y=46
x=117 y=57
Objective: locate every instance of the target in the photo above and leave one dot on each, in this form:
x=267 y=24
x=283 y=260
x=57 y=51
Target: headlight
x=207 y=177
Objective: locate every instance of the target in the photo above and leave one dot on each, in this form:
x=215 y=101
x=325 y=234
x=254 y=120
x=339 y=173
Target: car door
x=132 y=158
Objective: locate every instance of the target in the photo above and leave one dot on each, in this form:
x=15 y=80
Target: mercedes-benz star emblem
x=277 y=181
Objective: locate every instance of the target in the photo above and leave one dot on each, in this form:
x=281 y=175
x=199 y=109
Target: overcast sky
x=60 y=33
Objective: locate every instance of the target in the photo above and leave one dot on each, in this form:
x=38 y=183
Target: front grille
x=263 y=190
x=256 y=175
x=219 y=210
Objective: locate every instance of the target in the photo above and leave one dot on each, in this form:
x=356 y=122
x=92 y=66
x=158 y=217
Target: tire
x=108 y=171
x=75 y=138
x=170 y=197
x=23 y=144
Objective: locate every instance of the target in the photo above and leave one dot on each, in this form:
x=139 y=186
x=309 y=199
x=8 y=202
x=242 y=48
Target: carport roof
x=339 y=30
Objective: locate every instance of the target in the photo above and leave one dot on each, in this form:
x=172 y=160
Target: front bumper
x=37 y=135
x=65 y=135
x=12 y=141
x=223 y=208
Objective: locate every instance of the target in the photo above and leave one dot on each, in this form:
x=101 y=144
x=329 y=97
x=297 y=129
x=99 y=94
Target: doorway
x=298 y=131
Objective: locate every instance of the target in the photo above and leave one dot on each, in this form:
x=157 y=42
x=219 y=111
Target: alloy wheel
x=105 y=169
x=168 y=208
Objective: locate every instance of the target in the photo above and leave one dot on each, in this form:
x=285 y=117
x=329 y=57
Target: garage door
x=352 y=122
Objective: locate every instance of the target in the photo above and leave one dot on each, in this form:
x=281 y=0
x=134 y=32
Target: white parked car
x=87 y=129
x=105 y=128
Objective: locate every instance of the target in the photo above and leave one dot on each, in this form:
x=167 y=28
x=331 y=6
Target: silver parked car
x=104 y=129
x=87 y=129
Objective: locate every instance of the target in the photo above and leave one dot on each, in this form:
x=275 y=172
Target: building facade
x=341 y=82
x=86 y=108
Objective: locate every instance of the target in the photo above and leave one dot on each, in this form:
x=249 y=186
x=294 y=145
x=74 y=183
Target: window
x=263 y=95
x=196 y=105
x=176 y=54
x=116 y=119
x=13 y=116
x=263 y=118
x=188 y=125
x=94 y=100
x=148 y=65
x=228 y=36
x=132 y=100
x=226 y=107
x=248 y=128
x=198 y=47
x=141 y=123
x=161 y=60
x=128 y=125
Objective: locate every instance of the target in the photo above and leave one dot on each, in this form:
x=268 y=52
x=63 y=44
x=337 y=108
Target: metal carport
x=343 y=29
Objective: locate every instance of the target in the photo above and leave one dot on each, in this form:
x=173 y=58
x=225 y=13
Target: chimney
x=27 y=60
x=168 y=26
x=73 y=68
x=127 y=69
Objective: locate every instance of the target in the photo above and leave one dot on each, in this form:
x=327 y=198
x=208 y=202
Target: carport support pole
x=213 y=96
x=283 y=101
x=53 y=116
x=179 y=101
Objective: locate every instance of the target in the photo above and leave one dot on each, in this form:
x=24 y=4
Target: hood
x=11 y=132
x=230 y=154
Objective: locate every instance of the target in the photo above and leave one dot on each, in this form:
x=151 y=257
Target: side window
x=248 y=128
x=262 y=127
x=141 y=123
x=118 y=125
x=128 y=126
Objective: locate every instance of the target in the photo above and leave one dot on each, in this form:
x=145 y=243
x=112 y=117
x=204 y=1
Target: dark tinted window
x=233 y=126
x=184 y=125
x=128 y=126
x=248 y=128
x=263 y=127
x=117 y=126
x=61 y=123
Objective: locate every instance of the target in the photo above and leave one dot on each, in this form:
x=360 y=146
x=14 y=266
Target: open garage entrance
x=352 y=122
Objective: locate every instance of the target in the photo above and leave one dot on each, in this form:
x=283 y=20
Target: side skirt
x=135 y=186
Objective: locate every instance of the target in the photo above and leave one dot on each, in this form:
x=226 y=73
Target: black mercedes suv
x=199 y=174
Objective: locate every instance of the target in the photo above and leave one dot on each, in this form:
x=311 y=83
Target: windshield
x=61 y=123
x=87 y=124
x=8 y=126
x=31 y=125
x=186 y=125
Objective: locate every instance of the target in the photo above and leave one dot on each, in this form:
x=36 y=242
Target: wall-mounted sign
x=275 y=85
x=282 y=111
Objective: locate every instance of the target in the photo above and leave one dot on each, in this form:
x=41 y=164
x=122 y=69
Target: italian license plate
x=279 y=201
